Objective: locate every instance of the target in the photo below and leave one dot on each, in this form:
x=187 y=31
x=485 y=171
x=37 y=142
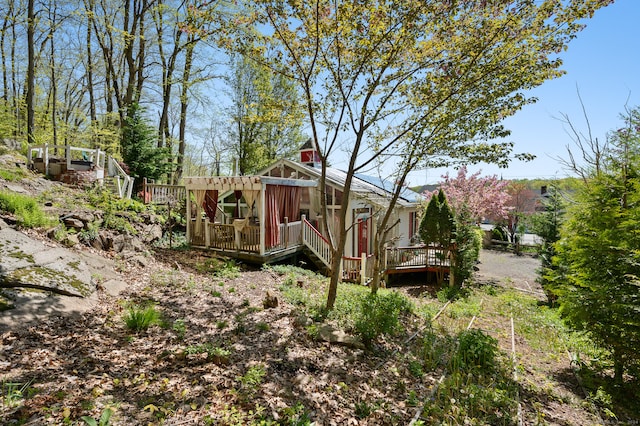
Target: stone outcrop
x=86 y=225
x=30 y=263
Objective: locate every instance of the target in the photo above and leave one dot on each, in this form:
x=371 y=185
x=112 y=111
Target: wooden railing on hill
x=124 y=182
x=162 y=193
x=357 y=269
x=314 y=240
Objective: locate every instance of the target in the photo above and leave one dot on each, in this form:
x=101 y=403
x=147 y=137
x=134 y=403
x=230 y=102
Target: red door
x=363 y=236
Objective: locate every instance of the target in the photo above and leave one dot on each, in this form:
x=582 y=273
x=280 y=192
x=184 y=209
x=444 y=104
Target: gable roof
x=368 y=187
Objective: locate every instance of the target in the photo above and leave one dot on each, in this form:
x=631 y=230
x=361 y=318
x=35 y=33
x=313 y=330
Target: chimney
x=543 y=190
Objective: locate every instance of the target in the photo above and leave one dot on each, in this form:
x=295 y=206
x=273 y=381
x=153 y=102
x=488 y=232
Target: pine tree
x=596 y=272
x=546 y=225
x=139 y=148
x=437 y=225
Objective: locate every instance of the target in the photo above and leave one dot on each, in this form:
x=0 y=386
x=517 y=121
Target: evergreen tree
x=546 y=225
x=596 y=272
x=468 y=242
x=437 y=225
x=139 y=148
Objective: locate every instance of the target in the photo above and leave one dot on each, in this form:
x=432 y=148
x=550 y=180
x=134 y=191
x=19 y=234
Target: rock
x=329 y=333
x=29 y=261
x=77 y=220
x=151 y=233
x=97 y=243
x=73 y=223
x=12 y=144
x=71 y=240
x=138 y=260
x=301 y=320
x=121 y=243
x=270 y=301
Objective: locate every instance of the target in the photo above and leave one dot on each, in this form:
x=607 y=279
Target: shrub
x=141 y=318
x=477 y=351
x=379 y=314
x=26 y=210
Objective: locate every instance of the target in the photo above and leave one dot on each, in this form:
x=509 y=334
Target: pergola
x=277 y=201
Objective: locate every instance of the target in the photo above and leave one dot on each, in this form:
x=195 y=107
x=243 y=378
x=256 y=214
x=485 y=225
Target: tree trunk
x=5 y=71
x=31 y=23
x=92 y=100
x=54 y=81
x=184 y=104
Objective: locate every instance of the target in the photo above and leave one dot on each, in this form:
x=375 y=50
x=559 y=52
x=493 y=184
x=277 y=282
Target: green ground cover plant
x=27 y=211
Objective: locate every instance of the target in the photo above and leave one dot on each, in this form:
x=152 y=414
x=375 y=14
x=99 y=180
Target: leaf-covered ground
x=219 y=356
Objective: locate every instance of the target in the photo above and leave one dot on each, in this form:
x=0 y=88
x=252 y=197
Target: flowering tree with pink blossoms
x=485 y=197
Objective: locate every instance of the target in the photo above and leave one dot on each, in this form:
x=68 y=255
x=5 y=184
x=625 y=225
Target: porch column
x=207 y=233
x=188 y=216
x=363 y=268
x=263 y=214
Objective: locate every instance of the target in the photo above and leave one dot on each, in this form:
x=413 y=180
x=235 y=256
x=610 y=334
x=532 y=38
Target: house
x=276 y=214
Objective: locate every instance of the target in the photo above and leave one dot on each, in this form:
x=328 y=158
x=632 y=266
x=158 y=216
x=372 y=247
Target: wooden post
x=263 y=213
x=286 y=232
x=302 y=219
x=237 y=236
x=363 y=268
x=67 y=154
x=207 y=233
x=45 y=158
x=144 y=190
x=188 y=203
x=386 y=261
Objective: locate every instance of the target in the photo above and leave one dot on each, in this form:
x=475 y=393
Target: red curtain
x=210 y=204
x=280 y=202
x=292 y=205
x=272 y=215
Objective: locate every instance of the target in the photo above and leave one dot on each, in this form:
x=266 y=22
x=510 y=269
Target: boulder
x=331 y=334
x=73 y=223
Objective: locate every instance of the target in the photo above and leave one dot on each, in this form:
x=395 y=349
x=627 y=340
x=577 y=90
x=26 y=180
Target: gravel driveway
x=509 y=270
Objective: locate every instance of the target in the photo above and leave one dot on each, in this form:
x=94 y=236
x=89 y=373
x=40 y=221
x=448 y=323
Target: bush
x=26 y=210
x=379 y=314
x=476 y=352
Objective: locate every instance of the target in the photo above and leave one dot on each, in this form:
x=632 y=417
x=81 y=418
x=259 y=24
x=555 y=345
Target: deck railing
x=221 y=236
x=161 y=194
x=314 y=240
x=416 y=256
x=124 y=182
x=227 y=238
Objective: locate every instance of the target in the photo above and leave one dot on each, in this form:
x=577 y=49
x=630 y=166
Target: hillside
x=229 y=344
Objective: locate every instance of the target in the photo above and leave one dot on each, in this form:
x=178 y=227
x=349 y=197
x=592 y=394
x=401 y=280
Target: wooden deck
x=243 y=242
x=423 y=258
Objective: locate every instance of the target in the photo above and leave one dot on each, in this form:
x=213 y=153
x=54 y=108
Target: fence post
x=45 y=158
x=207 y=233
x=302 y=226
x=363 y=268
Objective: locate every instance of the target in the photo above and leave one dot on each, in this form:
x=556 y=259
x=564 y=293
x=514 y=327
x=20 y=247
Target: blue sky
x=603 y=62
